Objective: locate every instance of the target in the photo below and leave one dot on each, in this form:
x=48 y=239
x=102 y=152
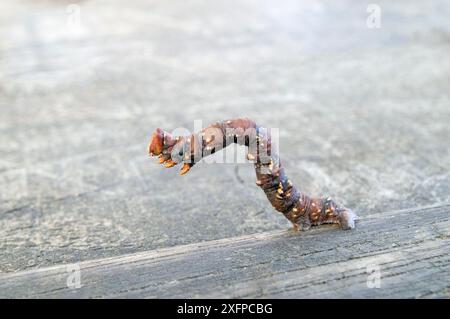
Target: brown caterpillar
x=303 y=211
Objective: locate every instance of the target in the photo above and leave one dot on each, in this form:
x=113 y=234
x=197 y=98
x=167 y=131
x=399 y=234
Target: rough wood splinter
x=302 y=210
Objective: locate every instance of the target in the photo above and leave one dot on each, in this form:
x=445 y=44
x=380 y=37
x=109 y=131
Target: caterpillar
x=300 y=209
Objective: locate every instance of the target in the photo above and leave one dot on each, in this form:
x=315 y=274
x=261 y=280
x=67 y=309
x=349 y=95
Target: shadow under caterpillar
x=302 y=210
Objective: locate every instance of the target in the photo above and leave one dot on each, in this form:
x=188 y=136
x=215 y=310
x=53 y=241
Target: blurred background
x=360 y=92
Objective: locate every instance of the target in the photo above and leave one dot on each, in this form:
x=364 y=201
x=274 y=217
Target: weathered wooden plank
x=410 y=248
x=363 y=119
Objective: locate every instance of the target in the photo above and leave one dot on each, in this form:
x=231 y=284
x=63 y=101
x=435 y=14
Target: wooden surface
x=363 y=116
x=410 y=249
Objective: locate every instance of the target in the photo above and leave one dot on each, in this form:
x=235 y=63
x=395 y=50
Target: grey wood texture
x=363 y=116
x=410 y=249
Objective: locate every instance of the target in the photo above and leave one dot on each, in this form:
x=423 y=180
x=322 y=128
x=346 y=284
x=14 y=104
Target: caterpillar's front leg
x=302 y=210
x=167 y=148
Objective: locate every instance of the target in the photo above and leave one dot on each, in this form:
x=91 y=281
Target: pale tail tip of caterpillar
x=348 y=219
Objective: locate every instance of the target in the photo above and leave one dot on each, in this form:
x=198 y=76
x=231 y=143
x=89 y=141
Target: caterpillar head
x=163 y=145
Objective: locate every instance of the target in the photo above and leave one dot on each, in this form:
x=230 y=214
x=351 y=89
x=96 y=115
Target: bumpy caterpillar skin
x=303 y=211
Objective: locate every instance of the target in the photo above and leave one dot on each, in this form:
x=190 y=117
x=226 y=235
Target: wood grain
x=410 y=248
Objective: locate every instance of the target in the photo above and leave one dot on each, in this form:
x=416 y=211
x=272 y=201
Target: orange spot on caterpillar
x=169 y=163
x=186 y=167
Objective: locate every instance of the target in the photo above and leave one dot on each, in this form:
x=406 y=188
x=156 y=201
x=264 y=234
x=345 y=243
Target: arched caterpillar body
x=302 y=210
